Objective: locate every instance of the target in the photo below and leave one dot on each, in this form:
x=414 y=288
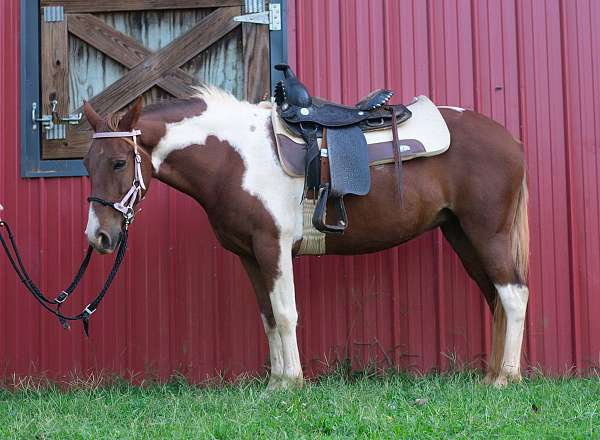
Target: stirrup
x=320 y=213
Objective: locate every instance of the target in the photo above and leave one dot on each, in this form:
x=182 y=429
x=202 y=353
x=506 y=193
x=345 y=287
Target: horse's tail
x=520 y=233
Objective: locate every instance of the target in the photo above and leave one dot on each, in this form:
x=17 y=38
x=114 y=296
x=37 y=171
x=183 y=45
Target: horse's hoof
x=504 y=379
x=489 y=378
x=277 y=383
x=501 y=381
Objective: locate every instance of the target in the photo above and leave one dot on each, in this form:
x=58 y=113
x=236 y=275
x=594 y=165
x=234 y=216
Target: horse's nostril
x=104 y=239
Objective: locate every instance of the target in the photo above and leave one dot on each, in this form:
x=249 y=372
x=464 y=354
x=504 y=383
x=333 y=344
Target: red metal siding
x=182 y=304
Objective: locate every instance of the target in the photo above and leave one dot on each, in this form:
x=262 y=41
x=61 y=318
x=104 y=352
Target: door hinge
x=272 y=17
x=54 y=13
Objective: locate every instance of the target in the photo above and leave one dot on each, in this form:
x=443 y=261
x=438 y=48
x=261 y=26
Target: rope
x=84 y=316
x=125 y=207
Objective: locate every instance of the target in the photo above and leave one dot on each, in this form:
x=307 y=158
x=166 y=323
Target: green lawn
x=394 y=406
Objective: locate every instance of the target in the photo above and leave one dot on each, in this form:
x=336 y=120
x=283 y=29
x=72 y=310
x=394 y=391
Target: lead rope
x=19 y=268
x=125 y=207
x=61 y=298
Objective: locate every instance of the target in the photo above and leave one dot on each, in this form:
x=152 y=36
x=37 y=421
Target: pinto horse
x=221 y=152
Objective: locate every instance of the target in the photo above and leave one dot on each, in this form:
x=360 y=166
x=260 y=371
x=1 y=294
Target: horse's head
x=111 y=164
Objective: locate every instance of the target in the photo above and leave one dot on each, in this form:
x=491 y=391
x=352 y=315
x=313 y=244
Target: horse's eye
x=119 y=164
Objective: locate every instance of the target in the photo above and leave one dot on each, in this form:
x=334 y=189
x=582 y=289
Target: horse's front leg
x=274 y=258
x=266 y=313
x=283 y=301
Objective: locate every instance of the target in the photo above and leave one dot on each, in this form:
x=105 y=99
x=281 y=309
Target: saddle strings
x=397 y=154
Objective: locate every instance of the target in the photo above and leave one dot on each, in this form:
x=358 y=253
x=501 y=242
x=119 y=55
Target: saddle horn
x=290 y=90
x=286 y=69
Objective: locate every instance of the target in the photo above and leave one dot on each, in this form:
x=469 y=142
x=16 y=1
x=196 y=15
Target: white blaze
x=93 y=225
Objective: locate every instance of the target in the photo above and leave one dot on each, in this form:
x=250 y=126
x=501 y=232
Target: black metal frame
x=32 y=164
x=278 y=49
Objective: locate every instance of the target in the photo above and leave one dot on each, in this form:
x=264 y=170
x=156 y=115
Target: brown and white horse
x=220 y=151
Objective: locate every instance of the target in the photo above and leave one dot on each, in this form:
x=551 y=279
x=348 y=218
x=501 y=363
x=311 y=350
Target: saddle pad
x=424 y=134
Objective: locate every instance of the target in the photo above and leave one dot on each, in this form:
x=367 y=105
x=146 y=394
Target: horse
x=220 y=151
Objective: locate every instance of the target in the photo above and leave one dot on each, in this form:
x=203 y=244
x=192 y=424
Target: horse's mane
x=212 y=93
x=113 y=120
x=205 y=92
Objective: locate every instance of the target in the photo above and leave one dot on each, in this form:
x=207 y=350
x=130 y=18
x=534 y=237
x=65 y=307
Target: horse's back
x=482 y=168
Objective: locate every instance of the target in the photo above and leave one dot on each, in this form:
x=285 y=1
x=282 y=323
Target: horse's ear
x=93 y=118
x=130 y=118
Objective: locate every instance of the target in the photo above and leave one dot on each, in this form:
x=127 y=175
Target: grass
x=392 y=406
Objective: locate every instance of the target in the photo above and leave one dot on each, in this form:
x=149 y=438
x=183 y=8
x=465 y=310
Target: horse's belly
x=381 y=220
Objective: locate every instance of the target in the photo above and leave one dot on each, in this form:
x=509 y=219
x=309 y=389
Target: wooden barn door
x=111 y=51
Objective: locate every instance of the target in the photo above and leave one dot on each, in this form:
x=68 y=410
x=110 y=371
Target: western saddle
x=340 y=165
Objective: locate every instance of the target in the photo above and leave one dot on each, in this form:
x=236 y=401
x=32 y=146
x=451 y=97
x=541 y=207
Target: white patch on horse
x=456 y=109
x=229 y=120
x=283 y=302
x=275 y=350
x=93 y=225
x=514 y=301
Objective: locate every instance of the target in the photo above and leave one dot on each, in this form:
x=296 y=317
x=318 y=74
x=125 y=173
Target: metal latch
x=49 y=121
x=272 y=17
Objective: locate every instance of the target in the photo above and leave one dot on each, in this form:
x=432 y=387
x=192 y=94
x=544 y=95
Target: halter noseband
x=125 y=206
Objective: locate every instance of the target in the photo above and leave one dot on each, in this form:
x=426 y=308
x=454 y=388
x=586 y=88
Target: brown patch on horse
x=155 y=117
x=239 y=219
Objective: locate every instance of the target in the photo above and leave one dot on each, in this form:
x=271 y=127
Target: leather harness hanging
x=124 y=206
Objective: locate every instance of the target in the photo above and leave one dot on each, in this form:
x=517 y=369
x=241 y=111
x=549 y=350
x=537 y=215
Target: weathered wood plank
x=222 y=64
x=216 y=25
x=54 y=65
x=76 y=147
x=54 y=69
x=79 y=6
x=178 y=83
x=120 y=47
x=125 y=50
x=257 y=80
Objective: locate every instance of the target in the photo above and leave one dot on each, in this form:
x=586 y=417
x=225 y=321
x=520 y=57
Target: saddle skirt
x=424 y=134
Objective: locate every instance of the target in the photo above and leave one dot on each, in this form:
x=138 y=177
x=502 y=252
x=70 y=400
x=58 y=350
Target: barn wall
x=182 y=304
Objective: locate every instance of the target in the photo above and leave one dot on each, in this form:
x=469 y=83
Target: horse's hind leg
x=489 y=260
x=472 y=264
x=499 y=252
x=498 y=261
x=514 y=298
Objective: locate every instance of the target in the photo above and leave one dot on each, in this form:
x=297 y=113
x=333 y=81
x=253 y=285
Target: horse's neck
x=203 y=155
x=185 y=169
